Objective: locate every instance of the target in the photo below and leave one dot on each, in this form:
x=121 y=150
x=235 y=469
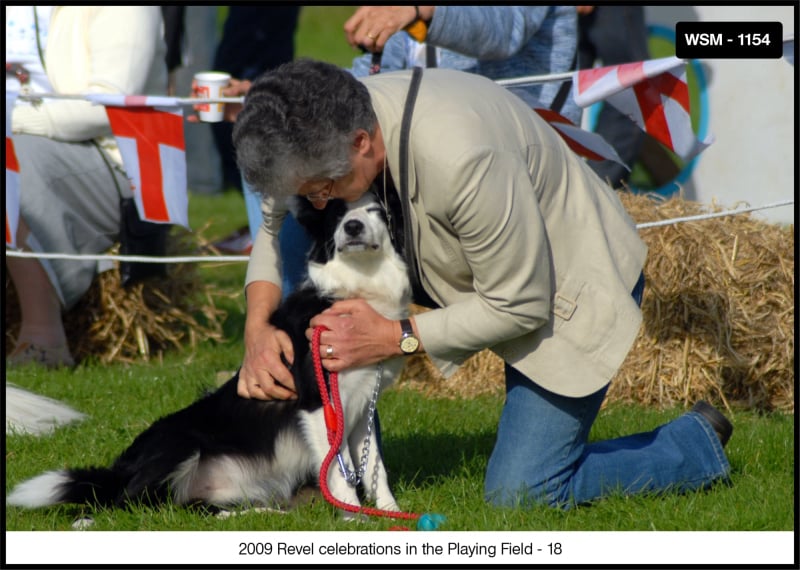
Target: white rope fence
x=712 y=215
x=159 y=99
x=244 y=258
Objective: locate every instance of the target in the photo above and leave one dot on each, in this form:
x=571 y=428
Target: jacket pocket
x=585 y=315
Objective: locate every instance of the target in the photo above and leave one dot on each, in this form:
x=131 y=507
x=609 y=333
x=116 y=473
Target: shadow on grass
x=418 y=458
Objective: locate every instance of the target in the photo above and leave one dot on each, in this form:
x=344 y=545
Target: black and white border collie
x=227 y=452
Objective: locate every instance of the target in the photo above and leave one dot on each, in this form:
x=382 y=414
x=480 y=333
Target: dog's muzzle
x=355 y=237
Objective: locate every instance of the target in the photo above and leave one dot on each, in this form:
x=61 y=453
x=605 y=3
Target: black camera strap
x=408 y=238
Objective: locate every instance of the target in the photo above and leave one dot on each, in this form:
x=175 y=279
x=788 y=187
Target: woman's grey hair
x=298 y=123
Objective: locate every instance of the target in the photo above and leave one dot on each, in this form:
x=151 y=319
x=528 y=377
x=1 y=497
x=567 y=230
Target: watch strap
x=406 y=328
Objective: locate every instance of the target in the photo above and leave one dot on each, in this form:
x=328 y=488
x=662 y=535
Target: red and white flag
x=652 y=93
x=12 y=176
x=149 y=132
x=584 y=143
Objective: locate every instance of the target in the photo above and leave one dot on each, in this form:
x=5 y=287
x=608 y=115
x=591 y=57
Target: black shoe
x=720 y=423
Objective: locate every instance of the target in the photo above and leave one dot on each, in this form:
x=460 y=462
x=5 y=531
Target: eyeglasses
x=322 y=195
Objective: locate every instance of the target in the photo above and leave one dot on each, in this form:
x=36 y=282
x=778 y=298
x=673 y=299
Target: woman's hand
x=358 y=334
x=370 y=26
x=264 y=374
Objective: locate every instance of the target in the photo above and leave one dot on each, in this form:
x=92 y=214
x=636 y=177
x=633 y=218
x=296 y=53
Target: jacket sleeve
x=494 y=212
x=485 y=32
x=265 y=259
x=121 y=43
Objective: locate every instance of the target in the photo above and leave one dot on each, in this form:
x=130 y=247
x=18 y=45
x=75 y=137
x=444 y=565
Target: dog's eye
x=375 y=210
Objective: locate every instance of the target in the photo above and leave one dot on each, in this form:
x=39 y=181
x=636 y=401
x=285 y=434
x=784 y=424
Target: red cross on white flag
x=652 y=93
x=12 y=176
x=149 y=132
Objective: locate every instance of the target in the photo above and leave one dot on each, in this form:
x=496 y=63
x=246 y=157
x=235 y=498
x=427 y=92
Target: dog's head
x=358 y=229
x=352 y=254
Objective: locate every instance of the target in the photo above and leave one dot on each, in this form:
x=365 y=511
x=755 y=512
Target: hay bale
x=718 y=317
x=124 y=324
x=718 y=311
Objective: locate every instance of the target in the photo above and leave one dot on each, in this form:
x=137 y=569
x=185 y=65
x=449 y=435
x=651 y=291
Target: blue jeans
x=542 y=454
x=294 y=242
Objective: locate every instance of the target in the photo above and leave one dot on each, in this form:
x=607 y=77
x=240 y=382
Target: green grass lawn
x=435 y=449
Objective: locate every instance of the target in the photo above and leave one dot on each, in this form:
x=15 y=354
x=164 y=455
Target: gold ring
x=329 y=351
x=370 y=36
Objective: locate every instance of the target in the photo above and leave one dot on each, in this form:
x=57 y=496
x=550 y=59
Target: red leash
x=335 y=423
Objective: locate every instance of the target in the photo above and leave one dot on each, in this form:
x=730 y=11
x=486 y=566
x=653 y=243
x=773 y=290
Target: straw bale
x=718 y=314
x=123 y=324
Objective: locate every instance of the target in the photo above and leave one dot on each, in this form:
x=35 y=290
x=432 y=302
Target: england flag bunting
x=583 y=143
x=652 y=93
x=12 y=176
x=149 y=132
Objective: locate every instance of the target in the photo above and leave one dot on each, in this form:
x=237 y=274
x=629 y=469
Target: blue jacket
x=499 y=42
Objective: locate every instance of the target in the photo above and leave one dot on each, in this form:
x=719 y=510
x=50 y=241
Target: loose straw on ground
x=113 y=323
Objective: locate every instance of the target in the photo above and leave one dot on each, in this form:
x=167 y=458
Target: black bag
x=137 y=237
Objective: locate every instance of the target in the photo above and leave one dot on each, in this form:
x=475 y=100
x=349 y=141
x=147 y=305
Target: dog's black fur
x=243 y=432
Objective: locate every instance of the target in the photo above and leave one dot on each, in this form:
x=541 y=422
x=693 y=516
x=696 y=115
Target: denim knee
x=513 y=491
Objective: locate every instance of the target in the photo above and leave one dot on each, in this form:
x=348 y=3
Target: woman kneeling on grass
x=513 y=241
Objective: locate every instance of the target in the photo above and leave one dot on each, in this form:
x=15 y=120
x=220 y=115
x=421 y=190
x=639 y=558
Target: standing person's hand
x=371 y=26
x=235 y=88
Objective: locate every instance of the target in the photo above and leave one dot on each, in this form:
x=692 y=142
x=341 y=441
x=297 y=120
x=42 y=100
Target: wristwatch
x=409 y=343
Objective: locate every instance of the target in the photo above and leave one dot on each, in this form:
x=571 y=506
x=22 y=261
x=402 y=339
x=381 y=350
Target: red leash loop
x=334 y=421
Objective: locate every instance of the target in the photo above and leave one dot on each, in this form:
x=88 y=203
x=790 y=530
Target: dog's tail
x=93 y=486
x=35 y=414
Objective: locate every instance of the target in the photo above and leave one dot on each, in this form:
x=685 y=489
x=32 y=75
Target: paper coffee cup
x=209 y=86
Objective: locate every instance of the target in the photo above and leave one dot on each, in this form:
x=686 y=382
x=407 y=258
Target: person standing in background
x=498 y=42
x=254 y=40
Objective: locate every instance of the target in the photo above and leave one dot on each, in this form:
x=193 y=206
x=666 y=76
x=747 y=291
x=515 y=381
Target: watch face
x=409 y=344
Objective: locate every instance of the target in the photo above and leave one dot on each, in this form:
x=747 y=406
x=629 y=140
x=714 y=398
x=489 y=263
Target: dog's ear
x=319 y=225
x=395 y=208
x=311 y=219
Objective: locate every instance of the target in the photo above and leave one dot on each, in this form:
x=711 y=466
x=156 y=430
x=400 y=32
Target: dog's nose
x=353 y=227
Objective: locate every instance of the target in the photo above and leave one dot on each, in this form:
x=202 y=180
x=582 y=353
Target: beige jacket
x=96 y=49
x=523 y=246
